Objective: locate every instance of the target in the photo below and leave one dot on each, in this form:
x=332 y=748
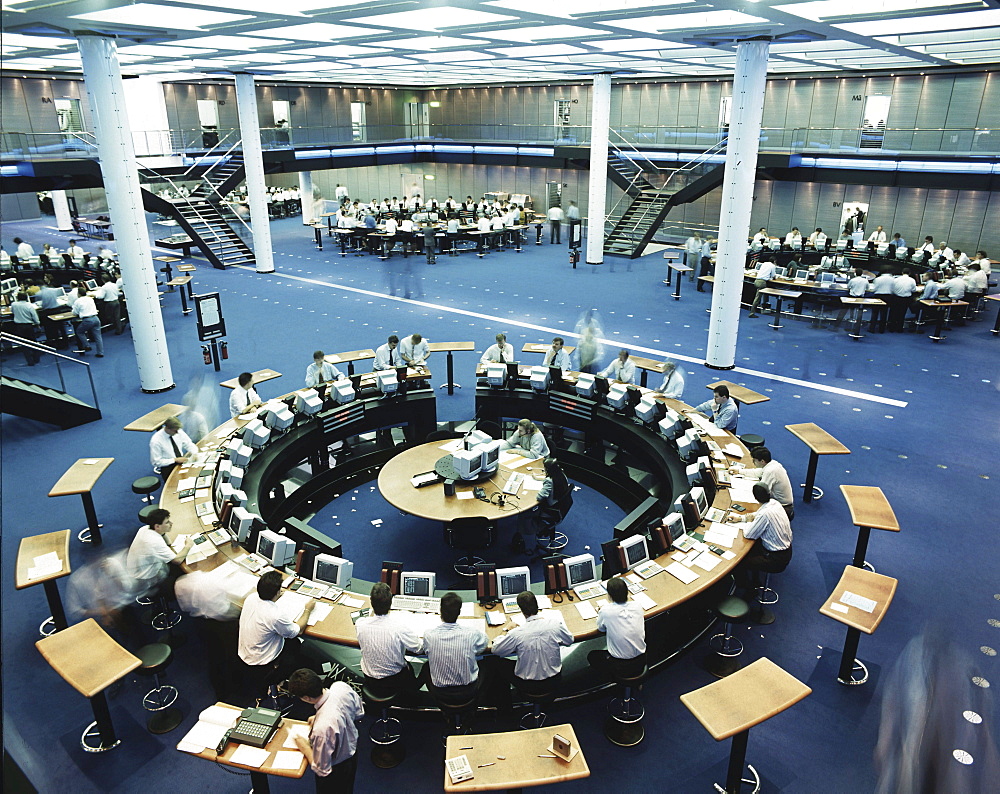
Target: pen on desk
x=491 y=763
x=466 y=748
x=546 y=756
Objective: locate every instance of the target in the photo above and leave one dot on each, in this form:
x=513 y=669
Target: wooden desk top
x=866 y=584
x=781 y=293
x=81 y=476
x=273 y=746
x=180 y=281
x=741 y=393
x=746 y=698
x=260 y=376
x=430 y=502
x=869 y=507
x=188 y=268
x=86 y=657
x=992 y=297
x=817 y=439
x=864 y=301
x=539 y=347
x=944 y=304
x=350 y=355
x=36 y=546
x=151 y=422
x=454 y=347
x=679 y=267
x=168 y=259
x=650 y=364
x=522 y=766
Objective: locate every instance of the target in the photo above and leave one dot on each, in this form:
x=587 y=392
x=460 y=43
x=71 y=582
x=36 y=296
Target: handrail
x=39 y=347
x=211 y=153
x=171 y=182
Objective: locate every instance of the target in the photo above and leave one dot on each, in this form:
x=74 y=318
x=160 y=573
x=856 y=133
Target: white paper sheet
x=319 y=613
x=293 y=731
x=250 y=756
x=287 y=759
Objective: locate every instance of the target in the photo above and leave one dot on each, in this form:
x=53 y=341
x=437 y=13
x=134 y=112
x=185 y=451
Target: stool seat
x=751 y=441
x=385 y=733
x=623 y=725
x=378 y=699
x=732 y=608
x=154 y=657
x=144 y=514
x=146 y=485
x=538 y=693
x=725 y=646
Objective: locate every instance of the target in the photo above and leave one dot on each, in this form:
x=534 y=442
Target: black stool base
x=852 y=681
x=720 y=666
x=624 y=734
x=164 y=721
x=388 y=756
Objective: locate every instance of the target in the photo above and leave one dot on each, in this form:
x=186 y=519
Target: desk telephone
x=256 y=727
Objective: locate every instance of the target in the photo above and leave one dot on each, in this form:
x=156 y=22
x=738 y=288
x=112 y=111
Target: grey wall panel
x=848 y=112
x=969 y=220
x=989 y=111
x=823 y=108
x=799 y=104
x=966 y=98
x=775 y=102
x=881 y=210
x=805 y=210
x=939 y=213
x=687 y=104
x=773 y=207
x=16 y=116
x=909 y=214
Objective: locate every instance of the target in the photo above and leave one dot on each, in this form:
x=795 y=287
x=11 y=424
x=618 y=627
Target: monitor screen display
x=580 y=569
x=331 y=570
x=635 y=550
x=265 y=546
x=700 y=499
x=512 y=581
x=674 y=522
x=802 y=274
x=416 y=583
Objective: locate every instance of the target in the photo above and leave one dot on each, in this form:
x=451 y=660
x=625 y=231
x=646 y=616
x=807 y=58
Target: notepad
x=250 y=756
x=707 y=560
x=287 y=759
x=212 y=725
x=319 y=613
x=586 y=609
x=855 y=600
x=643 y=600
x=293 y=731
x=677 y=570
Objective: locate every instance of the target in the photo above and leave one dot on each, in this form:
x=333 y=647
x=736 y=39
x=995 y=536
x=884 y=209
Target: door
x=562 y=133
x=359 y=123
x=418 y=119
x=208 y=118
x=873 y=121
x=282 y=111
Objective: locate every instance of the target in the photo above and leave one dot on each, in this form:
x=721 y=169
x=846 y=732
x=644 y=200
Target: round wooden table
x=431 y=503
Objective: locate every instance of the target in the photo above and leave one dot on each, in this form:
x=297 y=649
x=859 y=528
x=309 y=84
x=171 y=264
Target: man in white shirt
x=625 y=624
x=692 y=250
x=984 y=263
x=89 y=325
x=385 y=640
x=555 y=216
x=765 y=272
x=954 y=286
x=500 y=353
x=414 y=350
x=877 y=236
x=772 y=531
x=961 y=260
x=386 y=356
x=536 y=645
x=340 y=192
x=773 y=475
x=761 y=236
x=621 y=369
x=942 y=254
x=673 y=381
x=74 y=250
x=169 y=446
x=244 y=398
x=451 y=650
x=793 y=237
x=24 y=250
x=321 y=371
x=856 y=288
x=527 y=441
x=903 y=287
x=881 y=289
x=817 y=239
x=975 y=279
x=149 y=556
x=109 y=295
x=556 y=356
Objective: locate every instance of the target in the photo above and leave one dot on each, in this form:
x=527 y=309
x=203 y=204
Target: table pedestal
x=737 y=760
x=57 y=621
x=99 y=736
x=92 y=532
x=861 y=549
x=849 y=662
x=811 y=491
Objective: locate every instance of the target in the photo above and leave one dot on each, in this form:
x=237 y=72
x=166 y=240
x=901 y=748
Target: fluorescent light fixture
x=456 y=56
x=539 y=52
x=308 y=66
x=263 y=57
x=151 y=15
x=568 y=8
x=433 y=18
x=36 y=42
x=638 y=43
x=239 y=43
x=5 y=50
x=288 y=7
x=429 y=43
x=317 y=31
x=989 y=34
x=158 y=51
x=337 y=51
x=383 y=60
x=969 y=19
x=826 y=9
x=694 y=21
x=786 y=47
x=539 y=33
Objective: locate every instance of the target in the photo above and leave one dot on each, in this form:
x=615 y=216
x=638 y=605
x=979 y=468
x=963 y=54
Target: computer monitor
x=388 y=382
x=694 y=474
x=308 y=402
x=781 y=271
x=796 y=245
x=342 y=391
x=276 y=549
x=467 y=462
x=555 y=376
x=416 y=583
x=671 y=425
x=601 y=384
x=674 y=522
x=802 y=274
x=686 y=444
x=700 y=499
x=513 y=371
x=240 y=522
x=91 y=284
x=256 y=434
x=618 y=395
x=8 y=285
x=649 y=410
x=580 y=570
x=635 y=551
x=474 y=438
x=331 y=570
x=686 y=506
x=826 y=278
x=490 y=455
x=496 y=375
x=356 y=382
x=511 y=581
x=883 y=249
x=586 y=384
x=540 y=378
x=841 y=244
x=278 y=416
x=234 y=476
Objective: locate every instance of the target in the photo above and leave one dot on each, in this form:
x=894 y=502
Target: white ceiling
x=462 y=42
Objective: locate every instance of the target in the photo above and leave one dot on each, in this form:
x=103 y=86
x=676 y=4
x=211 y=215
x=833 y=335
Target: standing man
x=555 y=216
x=89 y=325
x=244 y=396
x=149 y=556
x=556 y=356
x=500 y=353
x=621 y=369
x=881 y=289
x=903 y=287
x=321 y=371
x=856 y=288
x=692 y=250
x=169 y=447
x=721 y=409
x=573 y=216
x=385 y=640
x=673 y=381
x=109 y=294
x=765 y=272
x=624 y=623
x=451 y=653
x=386 y=356
x=773 y=475
x=333 y=735
x=527 y=441
x=706 y=268
x=340 y=193
x=414 y=350
x=25 y=325
x=50 y=304
x=535 y=644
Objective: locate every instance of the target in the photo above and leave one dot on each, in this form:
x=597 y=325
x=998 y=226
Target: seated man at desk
x=721 y=409
x=554 y=500
x=773 y=475
x=149 y=556
x=502 y=352
x=535 y=644
x=625 y=624
x=414 y=350
x=385 y=640
x=556 y=356
x=621 y=369
x=244 y=396
x=169 y=446
x=771 y=530
x=321 y=371
x=527 y=441
x=793 y=238
x=673 y=381
x=386 y=356
x=451 y=653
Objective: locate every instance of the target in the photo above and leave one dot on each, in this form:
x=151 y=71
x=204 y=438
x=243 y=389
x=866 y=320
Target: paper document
x=212 y=724
x=839 y=608
x=293 y=731
x=292 y=604
x=707 y=560
x=644 y=601
x=349 y=601
x=468 y=609
x=287 y=759
x=586 y=609
x=734 y=450
x=855 y=600
x=319 y=613
x=686 y=575
x=531 y=484
x=518 y=461
x=463 y=494
x=719 y=540
x=452 y=446
x=479 y=624
x=250 y=756
x=45 y=565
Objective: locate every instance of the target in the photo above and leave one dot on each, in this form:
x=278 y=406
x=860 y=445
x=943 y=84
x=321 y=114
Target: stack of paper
x=292 y=604
x=707 y=560
x=722 y=534
x=251 y=756
x=586 y=609
x=644 y=601
x=212 y=725
x=45 y=565
x=319 y=613
x=683 y=573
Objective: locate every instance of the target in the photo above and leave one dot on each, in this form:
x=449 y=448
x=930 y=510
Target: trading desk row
x=359 y=240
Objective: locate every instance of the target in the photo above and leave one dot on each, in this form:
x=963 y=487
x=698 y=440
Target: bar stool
x=726 y=647
x=765 y=598
x=732 y=706
x=144 y=514
x=146 y=487
x=624 y=723
x=538 y=693
x=455 y=710
x=751 y=441
x=869 y=510
x=167 y=617
x=155 y=659
x=386 y=732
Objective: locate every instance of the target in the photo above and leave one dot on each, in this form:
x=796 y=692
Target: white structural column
x=737 y=200
x=600 y=121
x=306 y=194
x=253 y=160
x=103 y=78
x=60 y=204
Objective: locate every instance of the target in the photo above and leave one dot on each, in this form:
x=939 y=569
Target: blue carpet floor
x=921 y=421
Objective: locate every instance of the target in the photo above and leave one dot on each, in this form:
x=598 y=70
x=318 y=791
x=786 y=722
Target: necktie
x=173 y=443
x=501 y=356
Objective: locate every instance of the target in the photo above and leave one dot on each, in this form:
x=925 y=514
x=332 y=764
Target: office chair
x=469 y=533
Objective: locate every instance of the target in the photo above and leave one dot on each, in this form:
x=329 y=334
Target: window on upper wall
x=69 y=115
x=359 y=123
x=873 y=120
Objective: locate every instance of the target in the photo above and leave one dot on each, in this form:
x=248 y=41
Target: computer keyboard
x=417 y=603
x=513 y=484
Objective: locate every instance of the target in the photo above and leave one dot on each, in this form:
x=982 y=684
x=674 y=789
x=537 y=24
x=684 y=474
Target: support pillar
x=600 y=121
x=253 y=160
x=103 y=78
x=737 y=200
x=308 y=202
x=64 y=221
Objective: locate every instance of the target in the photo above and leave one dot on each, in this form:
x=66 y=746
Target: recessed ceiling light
x=432 y=18
x=567 y=8
x=160 y=51
x=455 y=56
x=34 y=42
x=230 y=42
x=824 y=9
x=337 y=51
x=538 y=52
x=637 y=43
x=318 y=31
x=539 y=33
x=969 y=19
x=429 y=43
x=151 y=15
x=693 y=21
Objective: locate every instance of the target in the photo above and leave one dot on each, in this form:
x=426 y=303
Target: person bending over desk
x=535 y=644
x=556 y=356
x=386 y=356
x=766 y=270
x=621 y=369
x=771 y=531
x=149 y=557
x=625 y=624
x=244 y=397
x=773 y=475
x=169 y=446
x=527 y=441
x=451 y=654
x=320 y=371
x=414 y=350
x=385 y=640
x=721 y=409
x=502 y=352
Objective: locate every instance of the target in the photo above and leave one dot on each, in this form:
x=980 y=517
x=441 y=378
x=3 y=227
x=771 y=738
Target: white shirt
x=25 y=251
x=148 y=556
x=620 y=371
x=416 y=353
x=391 y=226
x=264 y=627
x=673 y=385
x=955 y=287
x=240 y=399
x=882 y=285
x=773 y=475
x=692 y=245
x=857 y=286
x=816 y=239
x=202 y=595
x=533 y=446
x=108 y=292
x=322 y=373
x=985 y=265
x=492 y=354
x=75 y=251
x=976 y=281
x=451 y=653
x=792 y=237
x=963 y=261
x=85 y=307
x=625 y=625
x=536 y=645
x=333 y=736
x=388 y=359
x=903 y=286
x=384 y=641
x=557 y=359
x=766 y=271
x=161 y=451
x=556 y=214
x=877 y=237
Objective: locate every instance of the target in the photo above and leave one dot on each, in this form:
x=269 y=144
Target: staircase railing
x=40 y=348
x=244 y=234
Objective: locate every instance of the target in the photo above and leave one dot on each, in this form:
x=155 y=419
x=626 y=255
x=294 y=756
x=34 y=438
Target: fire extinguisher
x=574 y=256
x=206 y=354
x=225 y=349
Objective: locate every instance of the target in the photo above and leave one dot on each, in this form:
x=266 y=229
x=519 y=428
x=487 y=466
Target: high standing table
x=645 y=366
x=820 y=443
x=349 y=358
x=541 y=347
x=167 y=262
x=36 y=546
x=866 y=584
x=741 y=394
x=181 y=281
x=189 y=269
x=780 y=294
x=861 y=304
x=869 y=510
x=996 y=325
x=80 y=478
x=680 y=270
x=521 y=765
x=151 y=422
x=943 y=316
x=449 y=348
x=260 y=376
x=90 y=661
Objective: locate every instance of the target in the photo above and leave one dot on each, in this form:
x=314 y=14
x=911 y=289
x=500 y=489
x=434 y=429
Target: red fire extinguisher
x=206 y=354
x=225 y=349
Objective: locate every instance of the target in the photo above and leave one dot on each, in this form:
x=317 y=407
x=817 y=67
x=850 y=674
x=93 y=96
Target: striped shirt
x=626 y=628
x=773 y=475
x=451 y=653
x=536 y=645
x=384 y=641
x=333 y=735
x=771 y=525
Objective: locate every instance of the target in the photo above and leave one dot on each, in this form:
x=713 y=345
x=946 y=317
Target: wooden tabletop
x=746 y=698
x=741 y=393
x=679 y=267
x=259 y=376
x=817 y=439
x=943 y=304
x=866 y=584
x=187 y=268
x=350 y=355
x=36 y=546
x=869 y=507
x=152 y=421
x=431 y=503
x=992 y=297
x=273 y=746
x=781 y=293
x=454 y=347
x=650 y=364
x=521 y=765
x=81 y=476
x=86 y=657
x=540 y=347
x=863 y=301
x=168 y=259
x=179 y=281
